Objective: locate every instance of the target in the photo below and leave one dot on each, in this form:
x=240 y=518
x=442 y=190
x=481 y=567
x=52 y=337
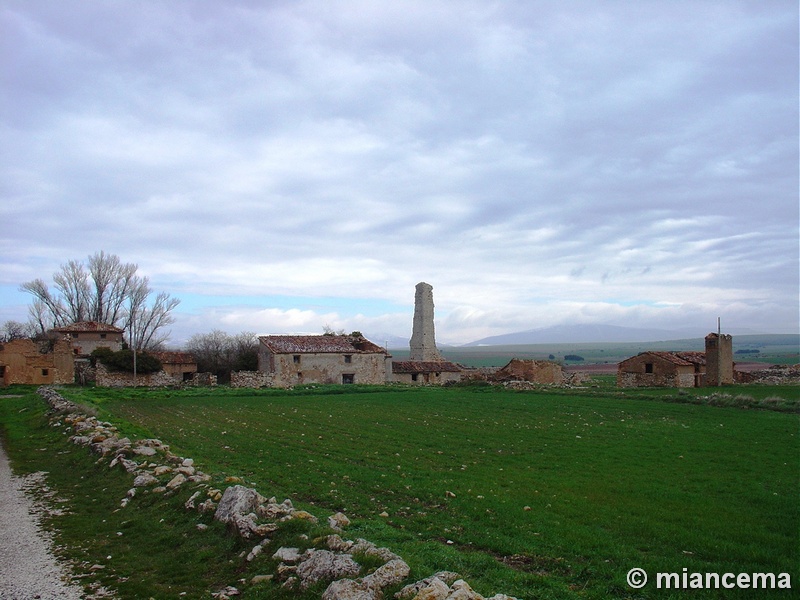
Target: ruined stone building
x=180 y=366
x=36 y=362
x=425 y=365
x=297 y=359
x=681 y=369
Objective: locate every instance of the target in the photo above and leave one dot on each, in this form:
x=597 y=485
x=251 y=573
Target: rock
x=338 y=521
x=237 y=501
x=260 y=579
x=187 y=471
x=324 y=565
x=226 y=593
x=335 y=542
x=349 y=589
x=144 y=451
x=202 y=527
x=254 y=553
x=162 y=470
x=289 y=555
x=176 y=482
x=435 y=587
x=207 y=506
x=276 y=512
x=187 y=462
x=304 y=515
x=189 y=504
x=362 y=546
x=144 y=480
x=391 y=573
x=502 y=597
x=461 y=590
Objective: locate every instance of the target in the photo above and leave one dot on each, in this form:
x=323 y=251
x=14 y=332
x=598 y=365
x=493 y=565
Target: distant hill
x=592 y=333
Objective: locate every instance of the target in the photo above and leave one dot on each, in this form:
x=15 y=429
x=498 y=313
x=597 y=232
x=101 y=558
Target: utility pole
x=719 y=351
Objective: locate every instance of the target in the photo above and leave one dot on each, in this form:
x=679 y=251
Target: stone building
x=719 y=359
x=180 y=366
x=297 y=359
x=661 y=369
x=534 y=371
x=86 y=336
x=417 y=372
x=681 y=369
x=36 y=362
x=425 y=365
x=423 y=335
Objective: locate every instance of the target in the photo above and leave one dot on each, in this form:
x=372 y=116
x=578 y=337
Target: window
x=648 y=367
x=102 y=336
x=45 y=372
x=348 y=378
x=414 y=376
x=296 y=359
x=74 y=335
x=348 y=358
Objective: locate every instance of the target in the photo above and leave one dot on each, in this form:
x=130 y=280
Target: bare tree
x=14 y=330
x=105 y=290
x=220 y=353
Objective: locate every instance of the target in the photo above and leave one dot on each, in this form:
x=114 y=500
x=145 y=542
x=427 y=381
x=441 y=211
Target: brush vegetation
x=537 y=494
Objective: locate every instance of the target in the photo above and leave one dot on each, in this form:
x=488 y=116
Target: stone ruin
x=423 y=335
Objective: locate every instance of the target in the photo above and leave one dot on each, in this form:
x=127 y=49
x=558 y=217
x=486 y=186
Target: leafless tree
x=220 y=353
x=104 y=290
x=14 y=330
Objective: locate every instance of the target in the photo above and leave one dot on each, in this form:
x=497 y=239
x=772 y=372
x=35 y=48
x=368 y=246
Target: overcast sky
x=280 y=166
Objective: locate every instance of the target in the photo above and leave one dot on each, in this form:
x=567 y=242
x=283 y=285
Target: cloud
x=599 y=160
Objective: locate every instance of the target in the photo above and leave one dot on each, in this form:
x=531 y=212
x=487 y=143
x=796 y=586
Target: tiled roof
x=174 y=358
x=318 y=344
x=427 y=366
x=681 y=359
x=86 y=326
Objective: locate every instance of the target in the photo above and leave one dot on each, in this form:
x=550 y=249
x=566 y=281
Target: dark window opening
x=348 y=358
x=348 y=378
x=296 y=359
x=648 y=367
x=187 y=376
x=45 y=372
x=102 y=336
x=414 y=376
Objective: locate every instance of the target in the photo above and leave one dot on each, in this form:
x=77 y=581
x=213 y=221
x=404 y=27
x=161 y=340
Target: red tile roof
x=318 y=344
x=86 y=326
x=681 y=359
x=174 y=358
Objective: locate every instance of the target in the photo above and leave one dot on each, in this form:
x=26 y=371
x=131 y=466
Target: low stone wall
x=250 y=379
x=155 y=469
x=106 y=378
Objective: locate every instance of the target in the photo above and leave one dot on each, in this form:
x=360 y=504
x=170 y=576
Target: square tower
x=719 y=359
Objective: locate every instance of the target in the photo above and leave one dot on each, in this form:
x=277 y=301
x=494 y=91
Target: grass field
x=546 y=494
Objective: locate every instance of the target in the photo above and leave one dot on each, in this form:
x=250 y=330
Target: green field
x=544 y=494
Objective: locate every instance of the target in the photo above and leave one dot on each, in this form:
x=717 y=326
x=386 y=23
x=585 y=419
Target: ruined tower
x=423 y=337
x=719 y=359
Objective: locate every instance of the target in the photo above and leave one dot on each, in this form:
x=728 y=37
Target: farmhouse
x=181 y=366
x=86 y=336
x=661 y=369
x=296 y=359
x=681 y=369
x=36 y=362
x=425 y=372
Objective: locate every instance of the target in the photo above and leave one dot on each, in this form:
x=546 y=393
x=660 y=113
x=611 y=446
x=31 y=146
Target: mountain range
x=573 y=334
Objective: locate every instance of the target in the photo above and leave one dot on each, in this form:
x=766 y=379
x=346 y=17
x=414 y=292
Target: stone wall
x=328 y=368
x=106 y=378
x=250 y=379
x=534 y=371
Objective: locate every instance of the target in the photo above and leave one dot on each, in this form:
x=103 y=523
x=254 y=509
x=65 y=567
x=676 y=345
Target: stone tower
x=719 y=359
x=423 y=337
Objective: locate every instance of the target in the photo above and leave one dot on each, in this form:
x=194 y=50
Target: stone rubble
x=250 y=515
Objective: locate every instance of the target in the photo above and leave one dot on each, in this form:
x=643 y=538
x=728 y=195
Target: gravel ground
x=28 y=569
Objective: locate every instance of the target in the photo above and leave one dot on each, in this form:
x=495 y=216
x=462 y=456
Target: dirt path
x=28 y=569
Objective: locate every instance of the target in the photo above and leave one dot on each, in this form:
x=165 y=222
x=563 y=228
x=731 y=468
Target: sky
x=286 y=166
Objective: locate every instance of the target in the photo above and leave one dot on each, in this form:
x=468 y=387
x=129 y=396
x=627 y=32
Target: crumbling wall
x=37 y=362
x=250 y=379
x=535 y=371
